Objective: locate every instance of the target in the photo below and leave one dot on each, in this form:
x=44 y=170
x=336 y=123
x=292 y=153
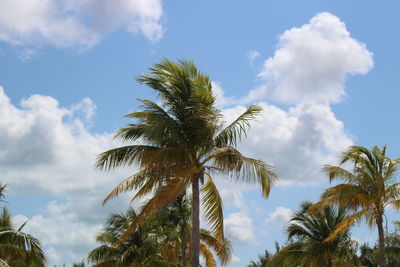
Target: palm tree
x=18 y=249
x=181 y=142
x=160 y=242
x=368 y=189
x=139 y=249
x=308 y=246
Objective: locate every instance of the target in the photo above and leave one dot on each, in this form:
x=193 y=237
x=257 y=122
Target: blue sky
x=324 y=71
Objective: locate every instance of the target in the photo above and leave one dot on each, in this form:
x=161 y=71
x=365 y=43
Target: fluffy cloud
x=281 y=216
x=76 y=23
x=311 y=63
x=239 y=227
x=298 y=142
x=48 y=150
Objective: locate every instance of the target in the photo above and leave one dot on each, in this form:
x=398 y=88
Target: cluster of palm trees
x=179 y=145
x=319 y=234
x=180 y=142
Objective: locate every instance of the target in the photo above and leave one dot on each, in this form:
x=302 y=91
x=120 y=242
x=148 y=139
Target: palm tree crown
x=308 y=246
x=367 y=190
x=180 y=141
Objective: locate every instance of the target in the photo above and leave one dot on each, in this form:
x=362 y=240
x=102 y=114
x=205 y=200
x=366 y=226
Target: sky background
x=326 y=73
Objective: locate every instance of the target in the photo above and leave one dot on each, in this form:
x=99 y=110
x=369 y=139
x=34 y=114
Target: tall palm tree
x=18 y=249
x=308 y=246
x=159 y=242
x=180 y=141
x=368 y=189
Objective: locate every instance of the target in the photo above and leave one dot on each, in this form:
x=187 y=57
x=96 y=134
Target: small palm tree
x=18 y=249
x=308 y=246
x=163 y=241
x=181 y=142
x=368 y=189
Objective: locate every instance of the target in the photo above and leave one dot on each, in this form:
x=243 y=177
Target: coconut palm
x=368 y=189
x=179 y=142
x=139 y=249
x=308 y=246
x=162 y=241
x=18 y=249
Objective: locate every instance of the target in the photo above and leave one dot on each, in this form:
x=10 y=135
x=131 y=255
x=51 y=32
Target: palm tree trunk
x=379 y=223
x=195 y=221
x=183 y=248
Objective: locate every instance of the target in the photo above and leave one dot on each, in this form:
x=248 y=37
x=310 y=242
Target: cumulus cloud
x=74 y=23
x=311 y=63
x=239 y=227
x=297 y=141
x=47 y=149
x=280 y=217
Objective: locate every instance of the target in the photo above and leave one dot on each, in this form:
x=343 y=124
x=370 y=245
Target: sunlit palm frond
x=207 y=255
x=222 y=248
x=164 y=195
x=346 y=223
x=242 y=169
x=336 y=172
x=213 y=210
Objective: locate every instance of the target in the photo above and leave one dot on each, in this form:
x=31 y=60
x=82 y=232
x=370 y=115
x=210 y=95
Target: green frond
x=233 y=133
x=122 y=156
x=154 y=125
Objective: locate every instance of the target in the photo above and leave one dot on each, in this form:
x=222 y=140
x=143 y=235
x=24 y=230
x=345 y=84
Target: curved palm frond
x=213 y=209
x=232 y=133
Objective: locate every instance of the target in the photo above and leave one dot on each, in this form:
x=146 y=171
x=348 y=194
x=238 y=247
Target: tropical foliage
x=163 y=241
x=367 y=189
x=307 y=234
x=18 y=249
x=180 y=141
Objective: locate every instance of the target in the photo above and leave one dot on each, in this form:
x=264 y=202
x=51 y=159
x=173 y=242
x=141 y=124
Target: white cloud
x=221 y=99
x=75 y=23
x=239 y=227
x=280 y=217
x=48 y=150
x=252 y=55
x=298 y=142
x=311 y=63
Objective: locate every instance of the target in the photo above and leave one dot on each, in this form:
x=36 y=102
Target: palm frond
x=233 y=133
x=213 y=209
x=122 y=156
